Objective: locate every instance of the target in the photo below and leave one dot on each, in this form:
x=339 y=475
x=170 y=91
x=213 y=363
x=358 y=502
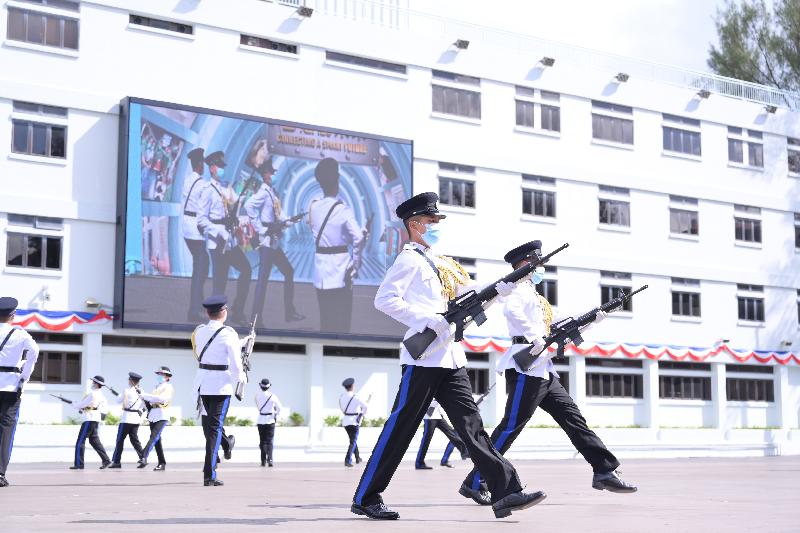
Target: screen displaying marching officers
x=435 y=298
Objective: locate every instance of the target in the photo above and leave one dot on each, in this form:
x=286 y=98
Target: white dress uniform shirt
x=91 y=404
x=262 y=209
x=436 y=414
x=159 y=399
x=192 y=192
x=351 y=406
x=212 y=207
x=20 y=342
x=130 y=399
x=411 y=293
x=340 y=230
x=525 y=318
x=269 y=407
x=225 y=349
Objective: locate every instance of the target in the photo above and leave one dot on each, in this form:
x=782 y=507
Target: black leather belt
x=13 y=369
x=213 y=367
x=190 y=213
x=217 y=220
x=133 y=411
x=330 y=250
x=519 y=339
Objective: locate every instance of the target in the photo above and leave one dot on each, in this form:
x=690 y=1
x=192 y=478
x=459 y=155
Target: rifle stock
x=247 y=349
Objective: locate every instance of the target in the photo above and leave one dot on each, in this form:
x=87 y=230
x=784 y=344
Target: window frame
x=614 y=112
x=682 y=125
x=748 y=293
x=747 y=139
x=747 y=215
x=40 y=374
x=538 y=99
x=613 y=194
x=457 y=82
x=62 y=14
x=793 y=151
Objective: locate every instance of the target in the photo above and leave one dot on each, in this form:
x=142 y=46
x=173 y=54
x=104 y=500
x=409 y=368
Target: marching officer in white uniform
x=433 y=420
x=220 y=369
x=415 y=292
x=158 y=417
x=91 y=405
x=132 y=409
x=269 y=408
x=18 y=356
x=353 y=412
x=193 y=187
x=336 y=232
x=529 y=318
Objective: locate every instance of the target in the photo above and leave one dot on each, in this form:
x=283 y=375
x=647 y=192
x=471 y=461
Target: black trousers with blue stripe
x=89 y=430
x=155 y=442
x=430 y=426
x=216 y=407
x=451 y=388
x=124 y=431
x=352 y=448
x=525 y=394
x=9 y=415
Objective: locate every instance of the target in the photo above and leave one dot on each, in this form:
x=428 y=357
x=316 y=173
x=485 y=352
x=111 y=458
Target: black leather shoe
x=160 y=467
x=517 y=501
x=3 y=481
x=115 y=465
x=423 y=466
x=448 y=464
x=358 y=460
x=229 y=451
x=269 y=463
x=105 y=465
x=142 y=463
x=481 y=497
x=213 y=483
x=74 y=467
x=611 y=481
x=294 y=316
x=263 y=463
x=379 y=511
x=349 y=465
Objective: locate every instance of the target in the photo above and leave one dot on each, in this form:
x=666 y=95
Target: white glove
x=439 y=324
x=504 y=289
x=601 y=315
x=538 y=345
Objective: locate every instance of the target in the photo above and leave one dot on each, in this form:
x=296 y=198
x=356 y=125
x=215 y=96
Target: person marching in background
x=90 y=406
x=269 y=408
x=159 y=400
x=132 y=409
x=193 y=187
x=433 y=420
x=353 y=412
x=18 y=356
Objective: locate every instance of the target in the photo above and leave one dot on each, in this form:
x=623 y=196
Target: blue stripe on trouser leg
x=383 y=440
x=118 y=454
x=153 y=441
x=13 y=431
x=447 y=452
x=81 y=438
x=512 y=422
x=426 y=427
x=219 y=437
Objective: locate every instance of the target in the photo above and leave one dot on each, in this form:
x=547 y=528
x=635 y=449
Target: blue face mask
x=220 y=173
x=161 y=379
x=432 y=234
x=537 y=277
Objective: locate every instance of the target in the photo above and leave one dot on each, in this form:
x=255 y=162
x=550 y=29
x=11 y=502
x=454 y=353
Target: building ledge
x=612 y=144
x=56 y=161
x=63 y=52
x=358 y=68
x=681 y=155
x=269 y=52
x=540 y=219
x=684 y=237
x=456 y=118
x=33 y=272
x=159 y=31
x=538 y=131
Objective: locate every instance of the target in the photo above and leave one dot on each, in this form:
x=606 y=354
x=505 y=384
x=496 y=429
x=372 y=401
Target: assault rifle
x=360 y=416
x=469 y=307
x=247 y=349
x=65 y=400
x=569 y=330
x=274 y=229
x=110 y=388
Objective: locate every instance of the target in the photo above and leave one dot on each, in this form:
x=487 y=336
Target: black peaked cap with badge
x=521 y=252
x=215 y=303
x=265 y=384
x=196 y=156
x=422 y=204
x=134 y=376
x=348 y=383
x=216 y=159
x=8 y=305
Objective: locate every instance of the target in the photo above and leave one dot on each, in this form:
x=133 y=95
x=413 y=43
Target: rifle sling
x=261 y=409
x=325 y=223
x=202 y=353
x=430 y=262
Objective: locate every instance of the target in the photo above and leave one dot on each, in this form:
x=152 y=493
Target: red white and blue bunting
x=57 y=320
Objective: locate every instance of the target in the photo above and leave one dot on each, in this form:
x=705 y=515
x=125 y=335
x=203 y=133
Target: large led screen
x=294 y=223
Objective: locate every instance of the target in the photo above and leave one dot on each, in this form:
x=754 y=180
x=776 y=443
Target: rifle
x=109 y=387
x=360 y=416
x=274 y=229
x=485 y=394
x=469 y=307
x=569 y=330
x=61 y=398
x=247 y=349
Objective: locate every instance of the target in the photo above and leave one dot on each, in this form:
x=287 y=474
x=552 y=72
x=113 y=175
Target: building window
x=750 y=390
x=683 y=216
x=38 y=129
x=614 y=385
x=45 y=28
x=797 y=230
x=479 y=379
x=166 y=25
x=261 y=42
x=612 y=122
x=549 y=285
x=615 y=207
x=453 y=190
x=751 y=302
x=539 y=201
x=533 y=103
x=365 y=62
x=360 y=351
x=793 y=146
x=748 y=369
x=612 y=285
x=684 y=388
x=455 y=94
x=681 y=134
x=470 y=264
x=747 y=223
x=57 y=367
x=746 y=147
x=685 y=297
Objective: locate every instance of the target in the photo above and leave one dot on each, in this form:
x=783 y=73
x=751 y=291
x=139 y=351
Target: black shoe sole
x=357 y=509
x=506 y=511
x=602 y=486
x=468 y=494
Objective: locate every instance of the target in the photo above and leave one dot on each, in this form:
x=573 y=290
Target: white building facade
x=653 y=178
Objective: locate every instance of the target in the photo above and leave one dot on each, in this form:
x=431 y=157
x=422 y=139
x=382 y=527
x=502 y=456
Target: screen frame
x=119 y=321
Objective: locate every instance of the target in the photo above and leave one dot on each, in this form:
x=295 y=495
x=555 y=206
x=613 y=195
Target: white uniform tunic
x=263 y=209
x=91 y=405
x=130 y=399
x=340 y=230
x=225 y=349
x=269 y=407
x=159 y=399
x=212 y=207
x=411 y=293
x=18 y=344
x=192 y=193
x=351 y=406
x=435 y=411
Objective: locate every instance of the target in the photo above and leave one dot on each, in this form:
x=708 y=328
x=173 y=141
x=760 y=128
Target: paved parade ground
x=676 y=495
